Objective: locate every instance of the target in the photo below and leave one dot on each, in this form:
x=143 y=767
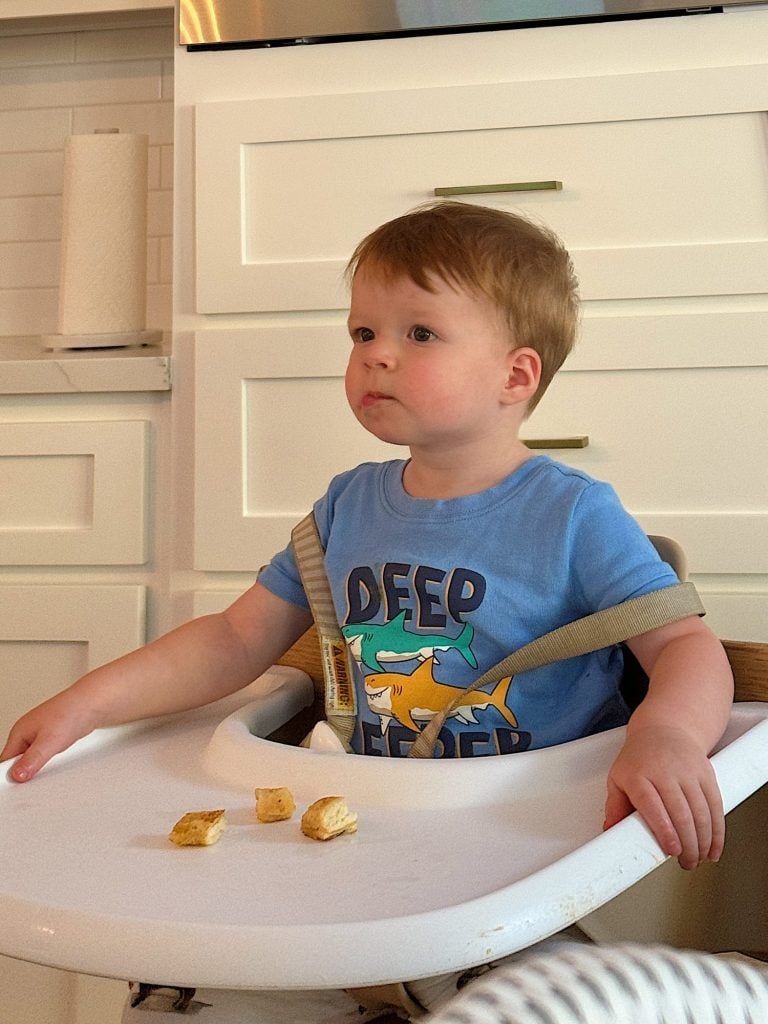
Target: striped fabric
x=340 y=698
x=622 y=984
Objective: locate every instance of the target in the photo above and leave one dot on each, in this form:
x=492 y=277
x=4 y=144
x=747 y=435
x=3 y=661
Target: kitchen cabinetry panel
x=73 y=493
x=273 y=427
x=52 y=634
x=273 y=423
x=663 y=180
x=655 y=436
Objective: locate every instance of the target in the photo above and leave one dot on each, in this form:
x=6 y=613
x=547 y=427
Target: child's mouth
x=374 y=398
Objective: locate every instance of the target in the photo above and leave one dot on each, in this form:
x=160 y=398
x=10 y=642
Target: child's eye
x=420 y=333
x=363 y=334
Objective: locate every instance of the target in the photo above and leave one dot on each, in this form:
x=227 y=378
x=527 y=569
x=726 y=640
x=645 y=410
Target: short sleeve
x=611 y=556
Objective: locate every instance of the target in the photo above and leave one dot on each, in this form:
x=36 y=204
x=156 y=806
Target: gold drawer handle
x=513 y=186
x=580 y=441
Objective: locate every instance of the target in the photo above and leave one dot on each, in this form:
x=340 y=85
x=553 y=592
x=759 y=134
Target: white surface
x=27 y=368
x=74 y=492
x=454 y=863
x=265 y=167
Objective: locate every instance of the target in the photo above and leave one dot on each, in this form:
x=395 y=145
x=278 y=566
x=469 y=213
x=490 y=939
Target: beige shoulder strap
x=340 y=699
x=601 y=629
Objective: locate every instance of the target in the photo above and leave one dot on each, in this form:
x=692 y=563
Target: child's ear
x=523 y=375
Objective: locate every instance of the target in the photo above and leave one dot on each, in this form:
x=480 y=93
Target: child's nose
x=380 y=351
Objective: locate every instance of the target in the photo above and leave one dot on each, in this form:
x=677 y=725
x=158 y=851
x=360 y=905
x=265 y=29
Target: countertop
x=27 y=368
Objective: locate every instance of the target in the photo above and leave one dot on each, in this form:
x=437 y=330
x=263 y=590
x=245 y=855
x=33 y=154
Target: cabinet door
x=663 y=180
x=272 y=427
x=51 y=634
x=73 y=493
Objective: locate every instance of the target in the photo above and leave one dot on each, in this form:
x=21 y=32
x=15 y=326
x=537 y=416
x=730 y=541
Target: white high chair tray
x=454 y=862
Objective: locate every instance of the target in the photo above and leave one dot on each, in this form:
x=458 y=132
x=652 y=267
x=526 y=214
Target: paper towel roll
x=103 y=274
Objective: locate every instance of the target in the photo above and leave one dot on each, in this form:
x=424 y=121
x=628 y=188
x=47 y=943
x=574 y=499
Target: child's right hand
x=45 y=731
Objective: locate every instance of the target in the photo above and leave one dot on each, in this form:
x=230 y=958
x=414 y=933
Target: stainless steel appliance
x=208 y=24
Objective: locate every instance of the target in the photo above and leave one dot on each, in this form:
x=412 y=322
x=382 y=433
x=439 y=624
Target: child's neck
x=445 y=476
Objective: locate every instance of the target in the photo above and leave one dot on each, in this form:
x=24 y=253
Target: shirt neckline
x=398 y=502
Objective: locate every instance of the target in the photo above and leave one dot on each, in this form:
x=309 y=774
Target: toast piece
x=328 y=817
x=274 y=804
x=198 y=828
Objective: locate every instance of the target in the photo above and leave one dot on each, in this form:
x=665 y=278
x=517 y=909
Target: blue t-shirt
x=431 y=593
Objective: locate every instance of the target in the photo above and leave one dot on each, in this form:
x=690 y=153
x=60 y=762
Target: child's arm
x=663 y=770
x=199 y=662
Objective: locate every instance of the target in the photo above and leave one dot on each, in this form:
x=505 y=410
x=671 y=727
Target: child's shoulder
x=365 y=474
x=559 y=475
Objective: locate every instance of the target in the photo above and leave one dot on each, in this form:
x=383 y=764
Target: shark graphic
x=418 y=697
x=374 y=644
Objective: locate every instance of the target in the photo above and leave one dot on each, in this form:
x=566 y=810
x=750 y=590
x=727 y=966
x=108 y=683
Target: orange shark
x=418 y=697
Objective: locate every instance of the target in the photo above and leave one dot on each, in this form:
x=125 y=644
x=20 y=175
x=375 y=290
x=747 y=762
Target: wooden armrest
x=305 y=655
x=749 y=663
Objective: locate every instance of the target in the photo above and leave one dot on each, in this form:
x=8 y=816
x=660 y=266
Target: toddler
x=442 y=563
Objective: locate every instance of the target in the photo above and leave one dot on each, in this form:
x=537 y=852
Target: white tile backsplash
x=52 y=85
x=32 y=174
x=154 y=119
x=30 y=219
x=17 y=51
x=22 y=131
x=78 y=85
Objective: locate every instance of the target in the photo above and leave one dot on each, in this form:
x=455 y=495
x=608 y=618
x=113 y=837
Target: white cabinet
x=258 y=464
x=663 y=204
x=50 y=634
x=663 y=180
x=273 y=427
x=82 y=504
x=74 y=493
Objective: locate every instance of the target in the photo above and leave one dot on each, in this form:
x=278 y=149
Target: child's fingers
x=32 y=753
x=687 y=821
x=27 y=766
x=16 y=744
x=617 y=806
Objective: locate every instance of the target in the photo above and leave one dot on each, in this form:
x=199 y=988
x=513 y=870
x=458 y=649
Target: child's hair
x=521 y=267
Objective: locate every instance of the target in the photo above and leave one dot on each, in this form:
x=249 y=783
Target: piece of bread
x=274 y=804
x=328 y=817
x=198 y=828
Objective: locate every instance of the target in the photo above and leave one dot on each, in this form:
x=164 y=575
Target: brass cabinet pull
x=579 y=441
x=512 y=186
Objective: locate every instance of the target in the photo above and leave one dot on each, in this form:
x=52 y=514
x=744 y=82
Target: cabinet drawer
x=51 y=634
x=273 y=426
x=73 y=493
x=663 y=191
x=684 y=448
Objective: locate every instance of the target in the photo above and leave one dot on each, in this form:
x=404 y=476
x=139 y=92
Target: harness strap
x=340 y=698
x=590 y=633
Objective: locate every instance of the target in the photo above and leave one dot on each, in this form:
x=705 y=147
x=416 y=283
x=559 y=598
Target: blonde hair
x=521 y=267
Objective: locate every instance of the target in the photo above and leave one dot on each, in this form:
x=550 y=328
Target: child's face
x=427 y=369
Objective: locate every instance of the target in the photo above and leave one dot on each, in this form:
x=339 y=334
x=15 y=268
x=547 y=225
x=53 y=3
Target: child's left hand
x=664 y=774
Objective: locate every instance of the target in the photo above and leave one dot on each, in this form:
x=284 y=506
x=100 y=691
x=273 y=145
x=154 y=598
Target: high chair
x=455 y=863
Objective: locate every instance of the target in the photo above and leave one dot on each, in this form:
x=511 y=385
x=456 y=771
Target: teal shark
x=373 y=644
